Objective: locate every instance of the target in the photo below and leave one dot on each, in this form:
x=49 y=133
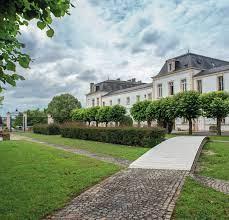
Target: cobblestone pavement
x=218 y=185
x=129 y=194
x=117 y=161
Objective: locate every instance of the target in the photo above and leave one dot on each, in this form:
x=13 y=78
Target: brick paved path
x=130 y=194
x=218 y=185
x=120 y=162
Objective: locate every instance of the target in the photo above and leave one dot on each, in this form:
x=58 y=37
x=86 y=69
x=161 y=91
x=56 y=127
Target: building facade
x=183 y=73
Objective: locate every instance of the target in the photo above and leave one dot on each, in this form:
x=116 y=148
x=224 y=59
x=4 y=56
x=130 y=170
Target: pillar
x=25 y=128
x=50 y=119
x=8 y=121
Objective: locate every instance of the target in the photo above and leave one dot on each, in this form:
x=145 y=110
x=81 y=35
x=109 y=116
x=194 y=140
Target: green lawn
x=201 y=203
x=219 y=138
x=115 y=150
x=35 y=180
x=214 y=160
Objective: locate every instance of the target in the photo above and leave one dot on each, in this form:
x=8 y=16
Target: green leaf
x=41 y=25
x=24 y=61
x=50 y=32
x=10 y=66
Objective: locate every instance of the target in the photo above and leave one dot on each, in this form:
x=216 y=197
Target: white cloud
x=116 y=38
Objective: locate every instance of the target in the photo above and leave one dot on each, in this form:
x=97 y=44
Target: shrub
x=51 y=129
x=5 y=135
x=126 y=121
x=144 y=137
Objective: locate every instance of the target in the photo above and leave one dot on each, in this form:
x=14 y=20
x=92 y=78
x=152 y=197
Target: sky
x=110 y=39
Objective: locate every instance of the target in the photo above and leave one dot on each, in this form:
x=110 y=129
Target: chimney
x=118 y=79
x=133 y=80
x=92 y=87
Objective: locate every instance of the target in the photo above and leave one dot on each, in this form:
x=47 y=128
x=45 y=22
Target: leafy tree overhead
x=61 y=107
x=138 y=111
x=13 y=15
x=215 y=105
x=117 y=113
x=188 y=106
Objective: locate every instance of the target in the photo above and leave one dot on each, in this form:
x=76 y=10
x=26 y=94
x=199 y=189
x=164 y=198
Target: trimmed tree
x=117 y=113
x=103 y=115
x=152 y=111
x=78 y=114
x=166 y=112
x=188 y=106
x=215 y=105
x=92 y=113
x=138 y=112
x=61 y=107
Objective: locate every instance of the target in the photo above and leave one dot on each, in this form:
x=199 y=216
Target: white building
x=186 y=72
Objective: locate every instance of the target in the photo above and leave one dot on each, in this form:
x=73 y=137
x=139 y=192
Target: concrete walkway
x=176 y=153
x=146 y=193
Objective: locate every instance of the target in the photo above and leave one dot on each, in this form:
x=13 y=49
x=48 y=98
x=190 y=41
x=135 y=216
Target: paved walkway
x=130 y=194
x=139 y=193
x=105 y=158
x=176 y=153
x=216 y=184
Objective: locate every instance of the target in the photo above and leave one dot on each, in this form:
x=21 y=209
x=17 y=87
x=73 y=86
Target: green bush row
x=51 y=129
x=145 y=137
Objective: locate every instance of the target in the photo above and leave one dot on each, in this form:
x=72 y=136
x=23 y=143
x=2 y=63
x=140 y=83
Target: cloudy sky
x=116 y=39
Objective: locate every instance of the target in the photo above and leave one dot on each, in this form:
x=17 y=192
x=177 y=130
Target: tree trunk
x=190 y=126
x=149 y=124
x=219 y=120
x=106 y=124
x=116 y=124
x=139 y=123
x=89 y=123
x=97 y=124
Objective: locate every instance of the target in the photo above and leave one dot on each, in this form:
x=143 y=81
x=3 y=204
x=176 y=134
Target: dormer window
x=171 y=65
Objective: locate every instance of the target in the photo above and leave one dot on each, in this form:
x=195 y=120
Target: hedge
x=145 y=137
x=51 y=129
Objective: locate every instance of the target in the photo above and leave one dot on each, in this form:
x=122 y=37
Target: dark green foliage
x=117 y=113
x=138 y=111
x=126 y=121
x=61 y=107
x=13 y=15
x=51 y=129
x=125 y=136
x=215 y=105
x=33 y=117
x=188 y=106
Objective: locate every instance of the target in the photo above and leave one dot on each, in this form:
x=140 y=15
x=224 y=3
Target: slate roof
x=142 y=86
x=213 y=70
x=191 y=60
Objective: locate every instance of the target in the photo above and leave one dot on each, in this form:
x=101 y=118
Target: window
x=220 y=83
x=137 y=98
x=199 y=86
x=183 y=85
x=110 y=102
x=171 y=88
x=128 y=100
x=145 y=96
x=223 y=121
x=170 y=67
x=119 y=101
x=97 y=88
x=104 y=103
x=149 y=96
x=159 y=90
x=93 y=102
x=97 y=101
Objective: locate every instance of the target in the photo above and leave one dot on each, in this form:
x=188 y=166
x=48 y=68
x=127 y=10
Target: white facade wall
x=209 y=84
x=132 y=95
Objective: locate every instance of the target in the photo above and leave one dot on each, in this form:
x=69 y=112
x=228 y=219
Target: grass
x=214 y=160
x=35 y=180
x=200 y=203
x=114 y=150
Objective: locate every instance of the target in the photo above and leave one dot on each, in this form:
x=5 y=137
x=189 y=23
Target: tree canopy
x=13 y=15
x=61 y=107
x=188 y=106
x=215 y=105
